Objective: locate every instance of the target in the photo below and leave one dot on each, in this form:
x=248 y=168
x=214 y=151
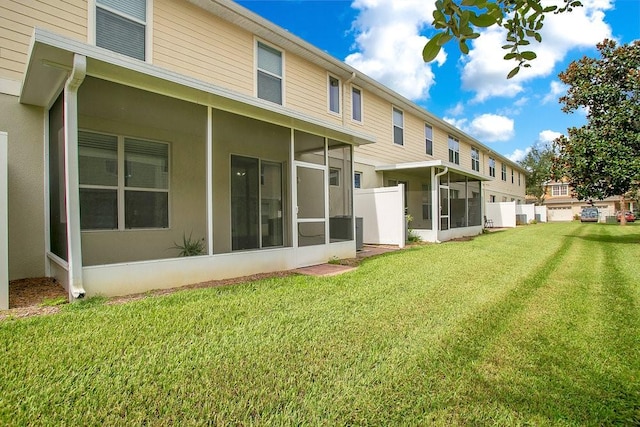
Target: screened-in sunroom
x=441 y=200
x=143 y=163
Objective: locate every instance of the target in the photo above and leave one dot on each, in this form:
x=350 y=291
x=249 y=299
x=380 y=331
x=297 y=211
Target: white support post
x=4 y=224
x=72 y=180
x=210 y=180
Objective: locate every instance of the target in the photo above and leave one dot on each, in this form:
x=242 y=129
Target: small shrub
x=334 y=260
x=576 y=217
x=533 y=221
x=190 y=246
x=413 y=237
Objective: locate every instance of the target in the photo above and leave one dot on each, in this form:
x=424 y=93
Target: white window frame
x=359 y=180
x=513 y=180
x=256 y=44
x=394 y=126
x=503 y=173
x=560 y=190
x=121 y=188
x=428 y=140
x=361 y=92
x=148 y=44
x=454 y=150
x=475 y=159
x=492 y=167
x=338 y=94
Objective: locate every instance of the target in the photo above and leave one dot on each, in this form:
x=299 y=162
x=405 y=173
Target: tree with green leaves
x=602 y=158
x=523 y=19
x=538 y=163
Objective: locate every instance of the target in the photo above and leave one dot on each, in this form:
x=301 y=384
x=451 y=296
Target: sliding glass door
x=256 y=203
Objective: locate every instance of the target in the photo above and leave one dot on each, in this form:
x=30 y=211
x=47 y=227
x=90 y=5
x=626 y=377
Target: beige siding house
x=134 y=125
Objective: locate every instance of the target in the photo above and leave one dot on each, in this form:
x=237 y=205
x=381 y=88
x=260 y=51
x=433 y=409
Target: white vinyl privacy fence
x=4 y=226
x=382 y=212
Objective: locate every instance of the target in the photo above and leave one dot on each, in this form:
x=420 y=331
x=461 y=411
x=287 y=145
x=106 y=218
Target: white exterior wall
x=502 y=214
x=382 y=212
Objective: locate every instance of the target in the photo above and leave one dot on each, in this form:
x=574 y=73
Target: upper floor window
x=428 y=139
x=269 y=73
x=124 y=182
x=121 y=26
x=504 y=173
x=492 y=167
x=357 y=179
x=398 y=127
x=334 y=95
x=475 y=159
x=519 y=181
x=560 y=190
x=512 y=176
x=454 y=150
x=356 y=104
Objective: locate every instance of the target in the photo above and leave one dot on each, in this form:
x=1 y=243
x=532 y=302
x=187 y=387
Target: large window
x=475 y=159
x=334 y=95
x=124 y=182
x=454 y=150
x=356 y=104
x=269 y=73
x=504 y=172
x=428 y=139
x=121 y=26
x=492 y=167
x=256 y=203
x=398 y=127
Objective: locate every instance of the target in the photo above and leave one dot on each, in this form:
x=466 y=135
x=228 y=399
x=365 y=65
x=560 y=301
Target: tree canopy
x=538 y=163
x=602 y=158
x=523 y=20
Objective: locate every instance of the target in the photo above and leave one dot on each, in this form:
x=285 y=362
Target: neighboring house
x=561 y=206
x=133 y=124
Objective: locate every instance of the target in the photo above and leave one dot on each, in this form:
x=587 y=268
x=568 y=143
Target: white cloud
x=556 y=89
x=456 y=110
x=485 y=70
x=486 y=127
x=546 y=136
x=518 y=154
x=389 y=45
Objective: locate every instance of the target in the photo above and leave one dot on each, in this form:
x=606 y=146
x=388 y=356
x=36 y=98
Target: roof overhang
x=51 y=60
x=417 y=166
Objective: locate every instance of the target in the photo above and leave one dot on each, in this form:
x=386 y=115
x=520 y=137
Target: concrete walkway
x=326 y=270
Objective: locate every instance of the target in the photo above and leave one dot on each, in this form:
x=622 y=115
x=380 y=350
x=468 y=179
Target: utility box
x=521 y=219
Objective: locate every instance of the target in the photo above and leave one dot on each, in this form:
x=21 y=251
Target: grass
x=532 y=326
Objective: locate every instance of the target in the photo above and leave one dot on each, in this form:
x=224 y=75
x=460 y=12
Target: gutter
x=344 y=97
x=74 y=244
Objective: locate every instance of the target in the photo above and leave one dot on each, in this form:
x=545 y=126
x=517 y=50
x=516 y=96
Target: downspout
x=344 y=98
x=437 y=188
x=74 y=244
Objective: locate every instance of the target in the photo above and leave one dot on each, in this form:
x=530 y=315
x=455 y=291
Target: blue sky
x=384 y=39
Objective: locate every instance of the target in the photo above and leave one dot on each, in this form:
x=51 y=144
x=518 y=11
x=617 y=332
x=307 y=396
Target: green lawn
x=539 y=325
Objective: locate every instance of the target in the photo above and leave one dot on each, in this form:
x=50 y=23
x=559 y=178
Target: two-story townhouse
x=131 y=125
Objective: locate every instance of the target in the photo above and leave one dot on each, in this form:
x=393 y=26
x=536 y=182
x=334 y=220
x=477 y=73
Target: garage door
x=559 y=214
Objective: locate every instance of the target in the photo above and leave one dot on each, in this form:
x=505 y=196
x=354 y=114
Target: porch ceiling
x=414 y=166
x=51 y=59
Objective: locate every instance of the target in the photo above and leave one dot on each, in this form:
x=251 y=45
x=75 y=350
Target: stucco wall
x=25 y=149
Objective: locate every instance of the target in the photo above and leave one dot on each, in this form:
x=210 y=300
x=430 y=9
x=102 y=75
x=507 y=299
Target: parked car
x=627 y=214
x=589 y=215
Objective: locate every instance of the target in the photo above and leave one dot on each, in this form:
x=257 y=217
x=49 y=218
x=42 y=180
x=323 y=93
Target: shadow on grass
x=605 y=238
